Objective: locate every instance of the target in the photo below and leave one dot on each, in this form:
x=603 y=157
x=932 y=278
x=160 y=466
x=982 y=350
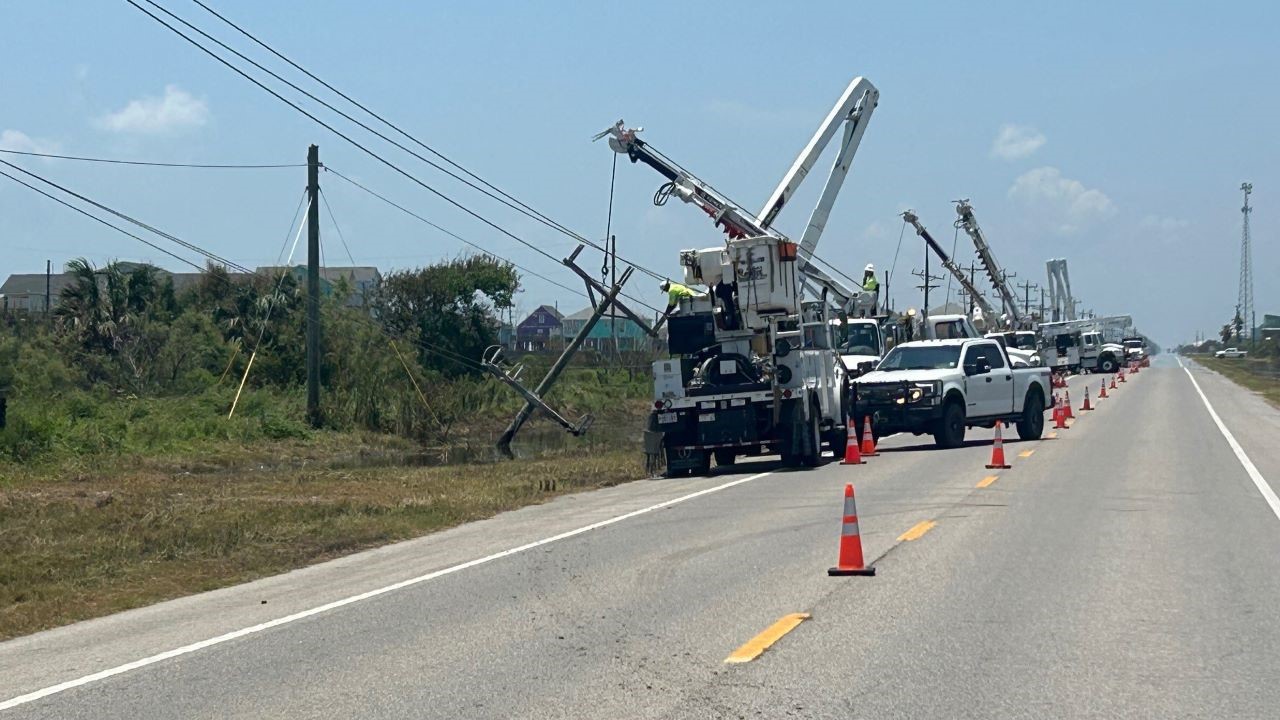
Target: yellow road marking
x=916 y=532
x=1052 y=436
x=987 y=480
x=1026 y=453
x=771 y=635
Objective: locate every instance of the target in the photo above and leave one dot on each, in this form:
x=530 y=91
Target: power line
x=113 y=161
x=450 y=233
x=349 y=139
x=194 y=248
x=535 y=214
x=539 y=215
x=95 y=218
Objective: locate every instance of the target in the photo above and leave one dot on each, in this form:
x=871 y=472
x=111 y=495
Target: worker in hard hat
x=872 y=285
x=675 y=291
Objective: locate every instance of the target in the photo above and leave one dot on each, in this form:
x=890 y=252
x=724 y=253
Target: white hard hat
x=870 y=268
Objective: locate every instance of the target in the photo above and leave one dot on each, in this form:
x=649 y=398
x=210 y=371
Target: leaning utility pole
x=1244 y=304
x=313 y=286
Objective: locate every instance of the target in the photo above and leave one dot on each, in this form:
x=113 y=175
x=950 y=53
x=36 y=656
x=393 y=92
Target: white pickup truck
x=944 y=386
x=1231 y=353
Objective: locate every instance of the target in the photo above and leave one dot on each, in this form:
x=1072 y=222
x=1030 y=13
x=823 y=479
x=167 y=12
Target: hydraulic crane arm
x=978 y=299
x=970 y=224
x=851 y=112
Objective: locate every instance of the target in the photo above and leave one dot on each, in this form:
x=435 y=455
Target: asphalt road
x=1127 y=568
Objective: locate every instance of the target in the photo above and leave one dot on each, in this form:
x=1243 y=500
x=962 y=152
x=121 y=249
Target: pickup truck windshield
x=921 y=358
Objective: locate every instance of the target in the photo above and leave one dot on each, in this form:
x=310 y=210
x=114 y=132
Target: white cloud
x=1065 y=203
x=1015 y=142
x=22 y=142
x=175 y=110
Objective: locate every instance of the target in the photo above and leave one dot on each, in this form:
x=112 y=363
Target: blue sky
x=1115 y=136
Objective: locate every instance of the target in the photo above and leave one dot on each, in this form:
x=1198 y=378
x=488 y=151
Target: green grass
x=110 y=502
x=80 y=542
x=1261 y=376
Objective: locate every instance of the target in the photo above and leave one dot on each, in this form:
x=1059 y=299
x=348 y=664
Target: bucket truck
x=969 y=223
x=755 y=368
x=1083 y=344
x=984 y=314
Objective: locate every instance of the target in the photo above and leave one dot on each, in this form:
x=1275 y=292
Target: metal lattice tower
x=1245 y=300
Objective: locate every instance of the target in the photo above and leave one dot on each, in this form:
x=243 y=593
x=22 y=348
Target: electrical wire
x=113 y=161
x=95 y=218
x=122 y=216
x=325 y=197
x=356 y=143
x=528 y=211
x=534 y=213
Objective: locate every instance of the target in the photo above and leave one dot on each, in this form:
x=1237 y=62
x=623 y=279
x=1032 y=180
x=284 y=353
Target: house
x=27 y=292
x=541 y=330
x=360 y=281
x=630 y=335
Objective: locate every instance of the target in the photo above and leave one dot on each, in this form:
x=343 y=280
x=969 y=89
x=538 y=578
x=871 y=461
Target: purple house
x=540 y=331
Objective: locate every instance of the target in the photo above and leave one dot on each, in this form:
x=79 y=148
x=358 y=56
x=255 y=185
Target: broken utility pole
x=534 y=398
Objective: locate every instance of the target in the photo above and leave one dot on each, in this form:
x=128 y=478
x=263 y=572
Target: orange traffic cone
x=1113 y=382
x=1086 y=405
x=1103 y=392
x=1067 y=412
x=850 y=562
x=851 y=455
x=1059 y=418
x=868 y=439
x=997 y=451
x=1120 y=375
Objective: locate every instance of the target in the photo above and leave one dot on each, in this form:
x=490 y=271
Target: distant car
x=1231 y=353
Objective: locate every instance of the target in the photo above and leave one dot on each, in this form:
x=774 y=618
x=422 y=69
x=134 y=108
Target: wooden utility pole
x=48 y=283
x=313 y=286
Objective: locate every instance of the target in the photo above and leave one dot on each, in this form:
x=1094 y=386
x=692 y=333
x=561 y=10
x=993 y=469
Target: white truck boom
x=755 y=367
x=989 y=314
x=967 y=221
x=1061 y=305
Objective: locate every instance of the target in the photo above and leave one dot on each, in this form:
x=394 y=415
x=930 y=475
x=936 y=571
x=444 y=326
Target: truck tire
x=948 y=431
x=1108 y=364
x=1031 y=425
x=811 y=449
x=725 y=458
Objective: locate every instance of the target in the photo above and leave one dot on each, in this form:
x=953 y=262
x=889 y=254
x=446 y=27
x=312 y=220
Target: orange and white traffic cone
x=1113 y=382
x=851 y=454
x=850 y=562
x=997 y=451
x=868 y=438
x=1120 y=375
x=1086 y=405
x=1059 y=418
x=1103 y=392
x=1067 y=412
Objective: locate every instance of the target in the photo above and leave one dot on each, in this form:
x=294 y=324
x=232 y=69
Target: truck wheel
x=949 y=430
x=1031 y=426
x=811 y=453
x=1108 y=364
x=725 y=458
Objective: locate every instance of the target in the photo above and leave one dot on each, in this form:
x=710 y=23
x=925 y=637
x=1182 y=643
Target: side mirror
x=977 y=367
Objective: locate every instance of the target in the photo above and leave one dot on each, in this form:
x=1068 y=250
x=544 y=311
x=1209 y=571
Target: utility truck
x=942 y=387
x=1082 y=344
x=755 y=366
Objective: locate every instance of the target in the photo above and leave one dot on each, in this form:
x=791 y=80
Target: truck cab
x=861 y=343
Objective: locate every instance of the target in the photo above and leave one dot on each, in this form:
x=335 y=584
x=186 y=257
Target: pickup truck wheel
x=1031 y=426
x=949 y=430
x=725 y=458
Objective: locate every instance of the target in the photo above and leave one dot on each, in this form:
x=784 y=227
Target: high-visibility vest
x=677 y=291
x=871 y=284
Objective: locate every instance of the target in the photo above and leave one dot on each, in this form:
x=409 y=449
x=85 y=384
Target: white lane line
x=185 y=649
x=1267 y=493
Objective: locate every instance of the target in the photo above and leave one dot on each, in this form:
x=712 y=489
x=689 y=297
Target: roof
x=355 y=273
x=942 y=343
x=33 y=284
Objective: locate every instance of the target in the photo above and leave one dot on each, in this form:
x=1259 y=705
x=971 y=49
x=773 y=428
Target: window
x=987 y=351
x=920 y=357
x=950 y=330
